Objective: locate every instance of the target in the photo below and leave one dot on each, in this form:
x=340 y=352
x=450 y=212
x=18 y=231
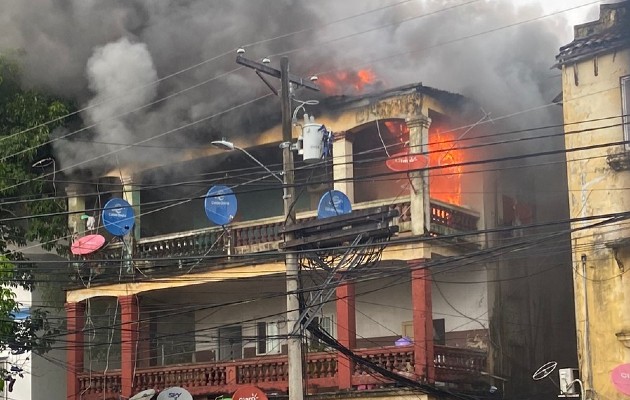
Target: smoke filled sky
x=115 y=58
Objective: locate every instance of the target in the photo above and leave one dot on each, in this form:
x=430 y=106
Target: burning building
x=203 y=306
x=150 y=146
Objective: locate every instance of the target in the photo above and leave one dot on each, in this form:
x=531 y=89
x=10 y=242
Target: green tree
x=24 y=130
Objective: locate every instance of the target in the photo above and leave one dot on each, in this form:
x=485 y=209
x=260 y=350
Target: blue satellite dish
x=21 y=314
x=220 y=205
x=118 y=217
x=333 y=203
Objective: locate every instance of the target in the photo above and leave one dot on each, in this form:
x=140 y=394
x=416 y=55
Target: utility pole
x=294 y=340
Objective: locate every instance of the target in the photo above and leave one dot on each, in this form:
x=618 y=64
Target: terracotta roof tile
x=597 y=43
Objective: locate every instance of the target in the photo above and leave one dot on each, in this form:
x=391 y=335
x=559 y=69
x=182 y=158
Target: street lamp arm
x=261 y=164
x=225 y=145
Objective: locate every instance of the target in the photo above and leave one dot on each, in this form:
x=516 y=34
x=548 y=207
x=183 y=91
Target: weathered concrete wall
x=591 y=90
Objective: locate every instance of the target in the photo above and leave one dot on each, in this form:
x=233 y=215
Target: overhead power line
x=389 y=57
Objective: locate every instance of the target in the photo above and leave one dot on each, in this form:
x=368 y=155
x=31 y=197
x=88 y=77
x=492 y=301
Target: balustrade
x=99 y=383
x=248 y=237
x=452 y=365
x=268 y=231
x=195 y=243
x=460 y=365
x=393 y=359
x=453 y=218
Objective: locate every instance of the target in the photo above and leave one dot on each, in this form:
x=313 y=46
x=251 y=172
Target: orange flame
x=347 y=82
x=445 y=183
x=398 y=129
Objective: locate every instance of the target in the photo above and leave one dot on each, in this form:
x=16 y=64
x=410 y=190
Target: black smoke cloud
x=106 y=56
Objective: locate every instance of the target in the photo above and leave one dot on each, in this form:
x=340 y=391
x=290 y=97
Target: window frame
x=267 y=336
x=329 y=326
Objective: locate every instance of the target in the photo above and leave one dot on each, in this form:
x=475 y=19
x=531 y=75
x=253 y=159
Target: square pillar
x=343 y=166
x=75 y=321
x=129 y=316
x=424 y=354
x=346 y=332
x=76 y=207
x=131 y=194
x=419 y=194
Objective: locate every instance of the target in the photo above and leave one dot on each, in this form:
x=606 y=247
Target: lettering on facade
x=399 y=107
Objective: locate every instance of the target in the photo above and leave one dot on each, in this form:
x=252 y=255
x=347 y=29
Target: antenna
x=43 y=163
x=544 y=371
x=567 y=382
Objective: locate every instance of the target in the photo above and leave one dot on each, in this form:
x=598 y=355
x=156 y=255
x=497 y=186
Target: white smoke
x=115 y=69
x=122 y=77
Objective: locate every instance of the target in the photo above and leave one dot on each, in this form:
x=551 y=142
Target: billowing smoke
x=122 y=77
x=94 y=51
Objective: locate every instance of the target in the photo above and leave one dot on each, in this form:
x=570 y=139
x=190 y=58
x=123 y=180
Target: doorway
x=230 y=343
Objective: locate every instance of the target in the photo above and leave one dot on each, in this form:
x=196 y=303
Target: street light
x=46 y=162
x=294 y=342
x=225 y=145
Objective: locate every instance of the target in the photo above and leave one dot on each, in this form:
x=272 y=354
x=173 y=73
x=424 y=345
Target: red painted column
x=129 y=316
x=346 y=332
x=422 y=324
x=75 y=321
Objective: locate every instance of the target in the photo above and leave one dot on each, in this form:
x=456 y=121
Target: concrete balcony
x=454 y=366
x=264 y=234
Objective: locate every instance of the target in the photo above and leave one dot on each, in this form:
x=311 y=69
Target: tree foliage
x=24 y=129
x=24 y=132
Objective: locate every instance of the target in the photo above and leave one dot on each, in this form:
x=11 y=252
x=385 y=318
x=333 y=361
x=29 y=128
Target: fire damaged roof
x=609 y=33
x=453 y=99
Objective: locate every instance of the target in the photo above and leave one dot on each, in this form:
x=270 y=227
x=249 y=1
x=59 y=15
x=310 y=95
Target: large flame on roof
x=347 y=82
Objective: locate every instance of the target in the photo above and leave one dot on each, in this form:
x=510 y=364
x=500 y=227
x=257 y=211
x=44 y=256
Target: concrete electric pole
x=294 y=341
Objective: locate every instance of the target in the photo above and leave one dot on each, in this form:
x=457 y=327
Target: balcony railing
x=264 y=234
x=452 y=365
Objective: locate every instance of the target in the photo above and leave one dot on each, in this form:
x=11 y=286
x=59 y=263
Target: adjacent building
x=596 y=102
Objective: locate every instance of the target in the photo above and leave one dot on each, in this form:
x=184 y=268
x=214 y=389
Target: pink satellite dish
x=87 y=244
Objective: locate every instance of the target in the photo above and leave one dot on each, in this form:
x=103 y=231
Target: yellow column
x=76 y=207
x=342 y=166
x=131 y=194
x=419 y=194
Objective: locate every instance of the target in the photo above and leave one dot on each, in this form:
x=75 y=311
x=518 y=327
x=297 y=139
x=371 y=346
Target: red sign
x=621 y=378
x=249 y=393
x=405 y=162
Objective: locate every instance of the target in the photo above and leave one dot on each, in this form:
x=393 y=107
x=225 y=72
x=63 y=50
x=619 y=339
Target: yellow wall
x=596 y=189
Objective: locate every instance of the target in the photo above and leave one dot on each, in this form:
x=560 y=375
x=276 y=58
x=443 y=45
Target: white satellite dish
x=174 y=393
x=144 y=395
